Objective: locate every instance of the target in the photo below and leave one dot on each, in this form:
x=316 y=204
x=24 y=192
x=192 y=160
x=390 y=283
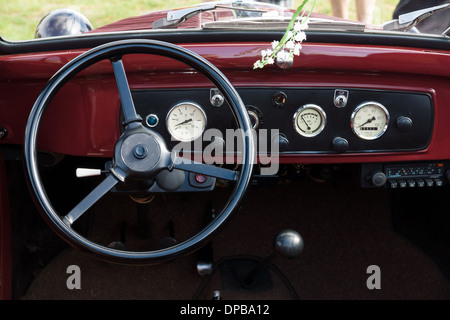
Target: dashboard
x=302 y=120
x=339 y=104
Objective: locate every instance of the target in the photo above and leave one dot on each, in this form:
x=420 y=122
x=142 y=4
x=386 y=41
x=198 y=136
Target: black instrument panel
x=409 y=116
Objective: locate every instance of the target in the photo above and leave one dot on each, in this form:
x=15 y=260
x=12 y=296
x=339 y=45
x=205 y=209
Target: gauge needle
x=307 y=126
x=368 y=121
x=184 y=122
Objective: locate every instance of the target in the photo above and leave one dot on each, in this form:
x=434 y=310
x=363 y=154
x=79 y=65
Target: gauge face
x=309 y=120
x=186 y=121
x=370 y=120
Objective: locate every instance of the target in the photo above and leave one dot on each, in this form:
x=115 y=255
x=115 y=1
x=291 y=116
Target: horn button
x=141 y=153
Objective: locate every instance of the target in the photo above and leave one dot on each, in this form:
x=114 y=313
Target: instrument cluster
x=369 y=120
x=309 y=120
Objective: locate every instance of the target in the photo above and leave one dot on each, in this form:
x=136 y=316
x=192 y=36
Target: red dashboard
x=81 y=117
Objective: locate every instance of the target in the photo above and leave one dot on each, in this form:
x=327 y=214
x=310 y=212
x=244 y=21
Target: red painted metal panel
x=76 y=121
x=5 y=236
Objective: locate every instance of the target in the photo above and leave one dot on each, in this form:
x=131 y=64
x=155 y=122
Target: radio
x=404 y=175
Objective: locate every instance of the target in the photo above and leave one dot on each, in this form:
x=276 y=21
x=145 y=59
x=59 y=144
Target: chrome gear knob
x=288 y=243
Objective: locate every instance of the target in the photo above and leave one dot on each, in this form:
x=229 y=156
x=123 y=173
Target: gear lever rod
x=288 y=243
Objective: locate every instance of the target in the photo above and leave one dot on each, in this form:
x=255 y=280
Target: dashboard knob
x=340 y=101
x=340 y=145
x=282 y=141
x=378 y=179
x=447 y=174
x=404 y=124
x=340 y=98
x=217 y=100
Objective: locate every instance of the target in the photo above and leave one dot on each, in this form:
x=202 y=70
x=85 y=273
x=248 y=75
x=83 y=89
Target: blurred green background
x=19 y=18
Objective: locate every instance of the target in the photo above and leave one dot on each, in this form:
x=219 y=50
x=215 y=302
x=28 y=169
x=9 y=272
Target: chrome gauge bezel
x=171 y=130
x=323 y=118
x=254 y=115
x=365 y=105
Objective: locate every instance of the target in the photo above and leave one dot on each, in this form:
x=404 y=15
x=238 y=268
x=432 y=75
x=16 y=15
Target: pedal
x=120 y=244
x=168 y=241
x=205 y=256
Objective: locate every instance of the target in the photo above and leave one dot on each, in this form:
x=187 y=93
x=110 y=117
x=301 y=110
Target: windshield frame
x=82 y=41
x=317 y=33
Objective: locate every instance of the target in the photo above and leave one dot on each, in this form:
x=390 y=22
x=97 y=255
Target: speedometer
x=186 y=121
x=370 y=120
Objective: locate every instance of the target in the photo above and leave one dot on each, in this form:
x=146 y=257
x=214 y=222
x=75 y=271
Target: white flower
x=266 y=53
x=281 y=55
x=301 y=26
x=297 y=49
x=301 y=36
x=258 y=64
x=291 y=41
x=290 y=44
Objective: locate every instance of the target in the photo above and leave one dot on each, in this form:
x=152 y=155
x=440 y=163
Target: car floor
x=345 y=228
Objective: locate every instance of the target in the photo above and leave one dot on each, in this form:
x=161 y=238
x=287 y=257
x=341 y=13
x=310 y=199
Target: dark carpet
x=345 y=230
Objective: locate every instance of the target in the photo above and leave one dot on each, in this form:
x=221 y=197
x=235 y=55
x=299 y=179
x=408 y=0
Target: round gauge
x=309 y=120
x=186 y=121
x=370 y=120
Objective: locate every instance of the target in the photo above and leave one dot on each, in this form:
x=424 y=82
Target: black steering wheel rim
x=109 y=51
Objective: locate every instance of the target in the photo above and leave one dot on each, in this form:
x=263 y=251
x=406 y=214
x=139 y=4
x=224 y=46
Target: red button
x=200 y=178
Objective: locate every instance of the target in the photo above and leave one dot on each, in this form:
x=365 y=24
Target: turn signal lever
x=85 y=172
x=288 y=243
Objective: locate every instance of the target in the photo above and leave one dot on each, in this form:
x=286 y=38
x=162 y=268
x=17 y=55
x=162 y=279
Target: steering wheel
x=140 y=153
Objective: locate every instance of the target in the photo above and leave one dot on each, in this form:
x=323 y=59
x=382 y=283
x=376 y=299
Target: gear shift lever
x=288 y=243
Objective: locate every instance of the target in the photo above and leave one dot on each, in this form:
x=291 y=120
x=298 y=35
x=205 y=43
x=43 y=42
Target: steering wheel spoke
x=129 y=110
x=206 y=169
x=106 y=185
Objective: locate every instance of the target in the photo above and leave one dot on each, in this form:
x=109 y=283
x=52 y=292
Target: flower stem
x=291 y=23
x=287 y=35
